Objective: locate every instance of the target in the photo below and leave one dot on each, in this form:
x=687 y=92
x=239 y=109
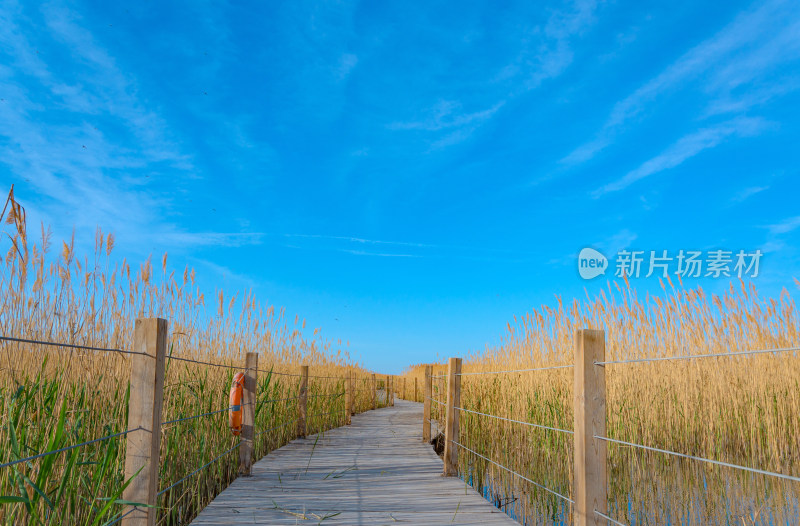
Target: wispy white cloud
x=776 y=237
x=379 y=254
x=608 y=246
x=347 y=63
x=66 y=135
x=357 y=246
x=227 y=275
x=784 y=227
x=618 y=241
x=551 y=57
x=686 y=148
x=747 y=193
x=358 y=240
x=541 y=52
x=447 y=114
x=757 y=41
x=211 y=239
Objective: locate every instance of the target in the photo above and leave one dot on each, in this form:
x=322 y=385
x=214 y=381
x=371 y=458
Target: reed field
x=52 y=397
x=743 y=410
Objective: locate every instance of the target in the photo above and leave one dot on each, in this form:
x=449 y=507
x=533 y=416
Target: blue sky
x=408 y=176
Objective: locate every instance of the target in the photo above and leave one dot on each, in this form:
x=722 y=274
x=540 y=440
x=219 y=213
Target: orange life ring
x=235 y=413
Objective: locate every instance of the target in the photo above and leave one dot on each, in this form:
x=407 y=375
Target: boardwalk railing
x=588 y=500
x=145 y=415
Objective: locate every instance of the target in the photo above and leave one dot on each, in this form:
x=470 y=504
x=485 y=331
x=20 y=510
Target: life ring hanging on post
x=235 y=412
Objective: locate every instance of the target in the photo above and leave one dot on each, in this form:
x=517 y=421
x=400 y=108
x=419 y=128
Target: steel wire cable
x=195 y=416
x=300 y=375
x=701 y=459
x=609 y=519
x=435 y=400
x=198 y=470
x=326 y=395
x=516 y=421
x=557 y=494
x=279 y=374
x=67 y=448
x=68 y=345
x=202 y=415
x=190 y=360
x=228 y=408
x=434 y=423
x=325 y=414
x=279 y=400
x=115 y=521
x=518 y=370
x=692 y=356
x=275 y=427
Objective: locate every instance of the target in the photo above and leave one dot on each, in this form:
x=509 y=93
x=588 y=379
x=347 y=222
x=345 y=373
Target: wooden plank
x=451 y=417
x=248 y=413
x=590 y=421
x=144 y=412
x=375 y=471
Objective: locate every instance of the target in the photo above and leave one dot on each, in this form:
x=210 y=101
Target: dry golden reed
x=743 y=410
x=52 y=397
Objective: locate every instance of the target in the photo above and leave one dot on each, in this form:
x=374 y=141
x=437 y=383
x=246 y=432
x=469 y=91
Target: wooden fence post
x=248 y=413
x=590 y=491
x=426 y=405
x=404 y=397
x=348 y=399
x=416 y=398
x=451 y=419
x=302 y=402
x=374 y=392
x=144 y=412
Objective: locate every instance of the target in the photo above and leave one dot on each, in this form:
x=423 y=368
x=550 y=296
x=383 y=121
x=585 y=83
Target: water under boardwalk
x=375 y=471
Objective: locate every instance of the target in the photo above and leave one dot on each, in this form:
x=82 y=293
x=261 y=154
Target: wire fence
x=550 y=368
x=118 y=519
x=530 y=424
x=516 y=474
x=435 y=401
x=330 y=399
x=68 y=448
x=609 y=519
x=699 y=459
x=198 y=470
x=695 y=356
x=67 y=345
x=603 y=363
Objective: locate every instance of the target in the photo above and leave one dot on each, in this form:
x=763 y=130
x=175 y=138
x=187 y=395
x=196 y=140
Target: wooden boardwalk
x=375 y=471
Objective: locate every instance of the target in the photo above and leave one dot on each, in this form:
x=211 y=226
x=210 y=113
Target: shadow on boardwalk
x=376 y=471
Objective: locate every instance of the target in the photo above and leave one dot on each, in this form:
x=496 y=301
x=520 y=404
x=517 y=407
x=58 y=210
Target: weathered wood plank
x=375 y=471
